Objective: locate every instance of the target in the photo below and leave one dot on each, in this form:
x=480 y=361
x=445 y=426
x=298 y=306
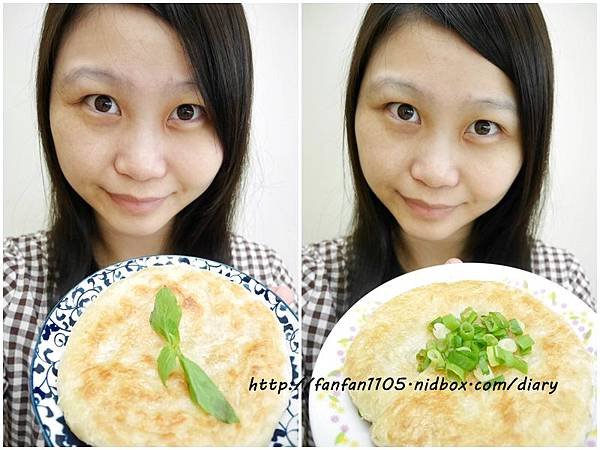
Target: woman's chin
x=431 y=232
x=139 y=227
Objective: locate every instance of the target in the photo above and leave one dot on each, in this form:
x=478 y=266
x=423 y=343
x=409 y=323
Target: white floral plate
x=334 y=419
x=55 y=332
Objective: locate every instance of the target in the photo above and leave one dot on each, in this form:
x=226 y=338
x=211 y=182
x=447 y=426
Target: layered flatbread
x=108 y=385
x=386 y=347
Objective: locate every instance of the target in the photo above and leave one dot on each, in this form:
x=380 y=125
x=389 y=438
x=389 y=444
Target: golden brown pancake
x=395 y=332
x=108 y=384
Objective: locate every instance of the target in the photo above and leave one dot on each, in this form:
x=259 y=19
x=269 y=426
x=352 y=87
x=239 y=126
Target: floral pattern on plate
x=334 y=418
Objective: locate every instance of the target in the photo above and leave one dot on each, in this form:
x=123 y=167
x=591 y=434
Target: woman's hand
x=285 y=293
x=453 y=261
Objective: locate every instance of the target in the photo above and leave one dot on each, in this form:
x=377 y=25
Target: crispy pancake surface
x=108 y=383
x=395 y=332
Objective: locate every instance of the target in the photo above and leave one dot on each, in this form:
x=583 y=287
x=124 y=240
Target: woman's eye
x=187 y=112
x=103 y=104
x=484 y=128
x=404 y=112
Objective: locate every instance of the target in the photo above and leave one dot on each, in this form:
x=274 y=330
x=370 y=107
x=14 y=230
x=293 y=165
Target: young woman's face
x=437 y=129
x=128 y=122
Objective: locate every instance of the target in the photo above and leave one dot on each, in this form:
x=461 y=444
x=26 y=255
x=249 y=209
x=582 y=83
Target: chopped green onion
x=490 y=339
x=441 y=345
x=515 y=327
x=491 y=356
x=436 y=358
x=520 y=364
x=440 y=331
x=475 y=348
x=456 y=370
x=461 y=360
x=457 y=341
x=468 y=315
x=500 y=333
x=525 y=342
x=500 y=319
x=490 y=324
x=503 y=356
x=433 y=322
x=508 y=344
x=481 y=376
x=463 y=349
x=467 y=352
x=479 y=329
x=499 y=378
x=483 y=366
x=451 y=322
x=525 y=352
x=466 y=330
x=475 y=343
x=422 y=360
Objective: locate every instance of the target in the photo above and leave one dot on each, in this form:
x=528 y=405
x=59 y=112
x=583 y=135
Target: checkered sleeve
x=10 y=260
x=323 y=283
x=563 y=268
x=25 y=305
x=282 y=276
x=262 y=263
x=318 y=308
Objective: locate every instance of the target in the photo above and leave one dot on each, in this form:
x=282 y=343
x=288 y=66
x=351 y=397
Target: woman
x=448 y=119
x=144 y=115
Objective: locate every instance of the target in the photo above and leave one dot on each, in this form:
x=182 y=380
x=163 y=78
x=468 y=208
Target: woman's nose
x=141 y=154
x=435 y=163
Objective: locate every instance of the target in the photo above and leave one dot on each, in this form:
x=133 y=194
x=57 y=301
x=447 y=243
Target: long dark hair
x=515 y=39
x=216 y=40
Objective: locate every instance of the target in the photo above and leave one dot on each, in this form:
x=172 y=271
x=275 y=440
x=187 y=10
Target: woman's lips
x=427 y=210
x=136 y=205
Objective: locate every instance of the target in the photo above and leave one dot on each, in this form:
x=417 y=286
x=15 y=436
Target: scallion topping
x=490 y=340
x=475 y=343
x=468 y=315
x=440 y=331
x=508 y=344
x=515 y=327
x=466 y=330
x=450 y=322
x=436 y=358
x=524 y=342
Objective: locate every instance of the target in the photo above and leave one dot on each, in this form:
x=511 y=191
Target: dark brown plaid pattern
x=26 y=307
x=323 y=267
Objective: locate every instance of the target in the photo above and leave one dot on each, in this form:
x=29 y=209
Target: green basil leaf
x=205 y=393
x=167 y=361
x=166 y=316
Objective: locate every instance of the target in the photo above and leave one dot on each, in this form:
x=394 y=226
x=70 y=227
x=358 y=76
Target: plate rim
x=278 y=304
x=451 y=271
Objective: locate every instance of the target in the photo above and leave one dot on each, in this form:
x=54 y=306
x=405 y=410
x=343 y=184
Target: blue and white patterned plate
x=55 y=332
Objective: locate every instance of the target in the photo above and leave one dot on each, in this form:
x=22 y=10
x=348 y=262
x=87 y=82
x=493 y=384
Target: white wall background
x=328 y=33
x=269 y=212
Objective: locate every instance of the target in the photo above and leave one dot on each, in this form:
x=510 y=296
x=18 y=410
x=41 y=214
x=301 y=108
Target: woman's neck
x=415 y=253
x=112 y=246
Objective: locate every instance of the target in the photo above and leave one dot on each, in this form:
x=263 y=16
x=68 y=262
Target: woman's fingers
x=453 y=261
x=285 y=293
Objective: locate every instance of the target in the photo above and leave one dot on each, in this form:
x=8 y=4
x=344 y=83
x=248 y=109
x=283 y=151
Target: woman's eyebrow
x=399 y=84
x=95 y=73
x=109 y=76
x=495 y=103
x=386 y=82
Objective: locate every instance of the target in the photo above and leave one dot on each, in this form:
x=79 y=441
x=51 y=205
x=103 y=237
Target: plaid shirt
x=26 y=307
x=323 y=283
